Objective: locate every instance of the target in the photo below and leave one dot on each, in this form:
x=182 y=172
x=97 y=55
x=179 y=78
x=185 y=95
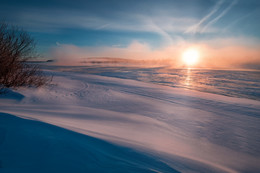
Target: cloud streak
x=224 y=12
x=195 y=28
x=203 y=25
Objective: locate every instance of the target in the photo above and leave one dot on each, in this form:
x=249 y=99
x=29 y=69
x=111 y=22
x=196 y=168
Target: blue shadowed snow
x=32 y=146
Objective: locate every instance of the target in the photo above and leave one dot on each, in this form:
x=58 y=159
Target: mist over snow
x=227 y=53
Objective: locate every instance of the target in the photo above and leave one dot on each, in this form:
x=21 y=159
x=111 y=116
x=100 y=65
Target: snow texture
x=91 y=123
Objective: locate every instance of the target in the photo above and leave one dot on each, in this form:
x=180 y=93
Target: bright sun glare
x=190 y=57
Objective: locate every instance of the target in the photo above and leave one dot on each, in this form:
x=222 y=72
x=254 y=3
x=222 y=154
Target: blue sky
x=119 y=23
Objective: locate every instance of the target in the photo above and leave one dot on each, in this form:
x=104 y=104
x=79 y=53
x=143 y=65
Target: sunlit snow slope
x=90 y=123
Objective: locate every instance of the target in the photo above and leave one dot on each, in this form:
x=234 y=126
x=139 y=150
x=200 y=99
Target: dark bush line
x=16 y=48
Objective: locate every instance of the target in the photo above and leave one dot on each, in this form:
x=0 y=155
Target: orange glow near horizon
x=178 y=56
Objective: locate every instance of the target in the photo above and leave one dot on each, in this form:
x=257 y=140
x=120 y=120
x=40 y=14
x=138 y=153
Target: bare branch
x=16 y=48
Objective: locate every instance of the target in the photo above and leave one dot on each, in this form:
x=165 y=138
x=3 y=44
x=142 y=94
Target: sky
x=225 y=32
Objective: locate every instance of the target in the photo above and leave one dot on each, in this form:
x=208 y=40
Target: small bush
x=16 y=48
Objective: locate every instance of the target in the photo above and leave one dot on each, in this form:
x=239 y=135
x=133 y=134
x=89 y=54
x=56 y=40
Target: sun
x=190 y=57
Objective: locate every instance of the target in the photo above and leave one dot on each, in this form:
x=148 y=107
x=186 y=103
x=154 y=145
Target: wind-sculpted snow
x=46 y=148
x=168 y=129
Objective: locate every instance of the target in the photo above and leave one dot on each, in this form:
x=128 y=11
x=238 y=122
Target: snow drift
x=105 y=124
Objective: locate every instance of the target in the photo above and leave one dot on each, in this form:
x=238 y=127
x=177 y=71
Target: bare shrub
x=16 y=48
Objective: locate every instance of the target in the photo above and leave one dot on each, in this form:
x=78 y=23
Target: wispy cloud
x=224 y=12
x=238 y=20
x=121 y=22
x=39 y=19
x=52 y=21
x=211 y=18
x=195 y=28
x=103 y=26
x=161 y=31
